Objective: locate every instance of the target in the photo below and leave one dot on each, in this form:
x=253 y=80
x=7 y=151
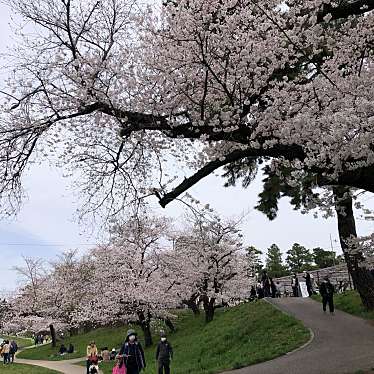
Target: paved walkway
x=342 y=343
x=66 y=366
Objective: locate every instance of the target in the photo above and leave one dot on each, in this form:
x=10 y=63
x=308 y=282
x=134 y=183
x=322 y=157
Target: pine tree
x=274 y=262
x=254 y=261
x=324 y=259
x=299 y=259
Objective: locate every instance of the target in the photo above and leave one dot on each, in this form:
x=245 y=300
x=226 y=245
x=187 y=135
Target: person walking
x=113 y=354
x=266 y=284
x=5 y=351
x=12 y=351
x=133 y=353
x=326 y=289
x=260 y=291
x=308 y=282
x=164 y=354
x=273 y=289
x=105 y=354
x=91 y=355
x=119 y=367
x=295 y=286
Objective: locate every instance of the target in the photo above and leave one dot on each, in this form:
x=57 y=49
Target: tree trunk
x=169 y=324
x=53 y=335
x=362 y=279
x=209 y=308
x=145 y=324
x=191 y=304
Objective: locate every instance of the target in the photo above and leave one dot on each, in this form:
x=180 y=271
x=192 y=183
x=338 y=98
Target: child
x=164 y=354
x=94 y=367
x=120 y=367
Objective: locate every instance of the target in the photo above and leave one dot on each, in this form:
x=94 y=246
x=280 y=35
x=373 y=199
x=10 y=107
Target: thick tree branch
x=345 y=9
x=359 y=178
x=290 y=152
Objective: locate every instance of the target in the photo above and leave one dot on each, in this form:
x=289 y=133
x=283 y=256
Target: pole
x=332 y=248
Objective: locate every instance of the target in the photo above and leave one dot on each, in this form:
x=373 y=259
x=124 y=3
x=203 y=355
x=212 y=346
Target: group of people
x=130 y=359
x=266 y=287
x=326 y=290
x=41 y=339
x=8 y=350
x=63 y=350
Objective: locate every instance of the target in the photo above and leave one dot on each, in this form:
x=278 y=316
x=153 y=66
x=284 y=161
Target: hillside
x=240 y=336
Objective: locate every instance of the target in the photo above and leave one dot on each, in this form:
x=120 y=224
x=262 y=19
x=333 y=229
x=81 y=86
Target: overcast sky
x=46 y=224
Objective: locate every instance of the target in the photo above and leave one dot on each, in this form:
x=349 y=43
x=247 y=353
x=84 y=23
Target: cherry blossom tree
x=208 y=263
x=111 y=87
x=28 y=305
x=126 y=285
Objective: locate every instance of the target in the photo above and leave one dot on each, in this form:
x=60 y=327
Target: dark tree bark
x=209 y=308
x=191 y=304
x=53 y=335
x=361 y=276
x=169 y=324
x=145 y=324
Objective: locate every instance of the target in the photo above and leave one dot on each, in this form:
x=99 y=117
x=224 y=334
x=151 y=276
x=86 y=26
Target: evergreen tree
x=254 y=261
x=274 y=262
x=299 y=259
x=324 y=259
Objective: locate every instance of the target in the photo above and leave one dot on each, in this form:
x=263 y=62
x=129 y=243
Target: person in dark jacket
x=295 y=286
x=273 y=288
x=308 y=282
x=326 y=289
x=253 y=294
x=70 y=348
x=133 y=353
x=62 y=350
x=266 y=284
x=164 y=354
x=13 y=350
x=113 y=354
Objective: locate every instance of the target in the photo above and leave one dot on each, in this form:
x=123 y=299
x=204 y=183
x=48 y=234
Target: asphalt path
x=340 y=343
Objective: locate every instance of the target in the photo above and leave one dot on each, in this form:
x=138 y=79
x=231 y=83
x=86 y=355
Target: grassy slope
x=350 y=302
x=241 y=336
x=103 y=337
x=24 y=369
x=21 y=342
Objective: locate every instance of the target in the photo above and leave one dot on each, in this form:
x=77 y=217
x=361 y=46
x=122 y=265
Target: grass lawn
x=21 y=342
x=24 y=369
x=350 y=302
x=240 y=336
x=109 y=337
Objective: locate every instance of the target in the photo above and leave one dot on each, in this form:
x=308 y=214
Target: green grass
x=24 y=369
x=240 y=336
x=350 y=302
x=109 y=337
x=21 y=342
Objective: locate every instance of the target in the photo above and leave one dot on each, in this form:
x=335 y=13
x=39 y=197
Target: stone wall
x=335 y=273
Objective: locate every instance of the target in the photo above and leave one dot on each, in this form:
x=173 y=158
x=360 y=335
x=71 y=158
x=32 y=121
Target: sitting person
x=113 y=354
x=62 y=350
x=70 y=348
